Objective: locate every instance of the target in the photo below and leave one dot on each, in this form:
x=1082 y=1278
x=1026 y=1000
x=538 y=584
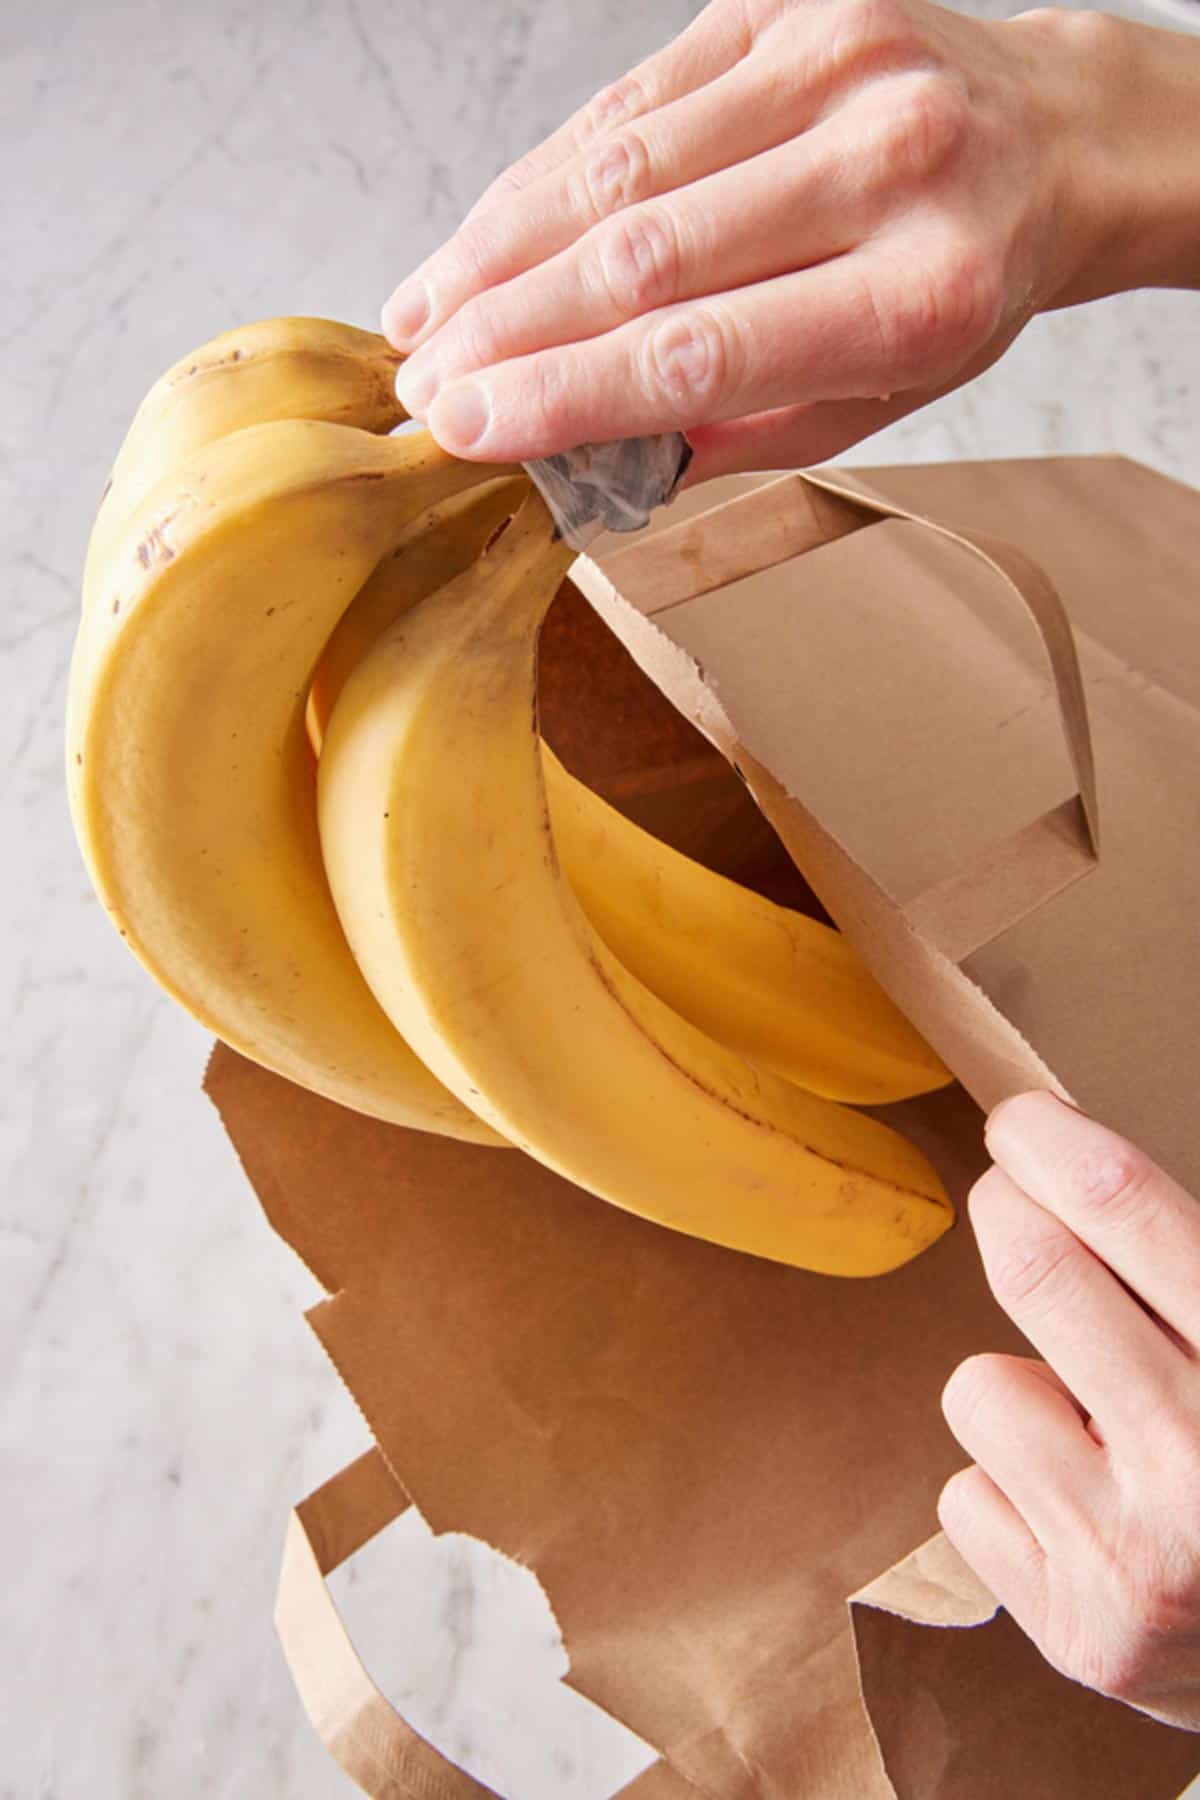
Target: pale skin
x=795 y=209
x=1081 y=1509
x=800 y=221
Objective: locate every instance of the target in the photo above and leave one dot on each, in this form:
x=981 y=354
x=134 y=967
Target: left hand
x=1081 y=1511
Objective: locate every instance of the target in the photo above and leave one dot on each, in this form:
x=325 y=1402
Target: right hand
x=799 y=221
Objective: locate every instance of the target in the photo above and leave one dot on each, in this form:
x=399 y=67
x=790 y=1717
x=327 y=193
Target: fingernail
x=406 y=312
x=460 y=415
x=416 y=384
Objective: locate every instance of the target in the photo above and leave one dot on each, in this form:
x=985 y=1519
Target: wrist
x=1126 y=133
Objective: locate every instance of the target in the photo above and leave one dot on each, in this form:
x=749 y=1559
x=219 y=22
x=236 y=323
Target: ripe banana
x=436 y=547
x=188 y=766
x=251 y=508
x=276 y=369
x=785 y=991
x=441 y=859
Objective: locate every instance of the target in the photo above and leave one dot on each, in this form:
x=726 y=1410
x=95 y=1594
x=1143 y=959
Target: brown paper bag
x=703 y=1457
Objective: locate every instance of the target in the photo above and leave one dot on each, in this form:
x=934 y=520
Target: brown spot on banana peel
x=380 y=367
x=501 y=528
x=203 y=367
x=154 y=546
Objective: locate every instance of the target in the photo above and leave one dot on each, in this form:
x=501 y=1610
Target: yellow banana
x=276 y=369
x=441 y=859
x=785 y=991
x=436 y=547
x=250 y=507
x=187 y=757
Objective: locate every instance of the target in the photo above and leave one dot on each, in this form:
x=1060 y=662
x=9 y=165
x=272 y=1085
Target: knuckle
x=1092 y=39
x=547 y=405
x=688 y=364
x=743 y=20
x=972 y=298
x=638 y=261
x=625 y=98
x=1034 y=1271
x=515 y=179
x=1114 y=1182
x=872 y=312
x=474 y=251
x=612 y=175
x=475 y=330
x=945 y=313
x=926 y=125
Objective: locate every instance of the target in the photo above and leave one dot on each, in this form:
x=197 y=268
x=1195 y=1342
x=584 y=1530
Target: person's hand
x=799 y=221
x=1081 y=1511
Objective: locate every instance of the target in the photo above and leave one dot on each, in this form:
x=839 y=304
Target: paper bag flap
x=893 y=715
x=949 y=1684
x=699 y=1454
x=365 y=1735
x=715 y=554
x=1105 y=981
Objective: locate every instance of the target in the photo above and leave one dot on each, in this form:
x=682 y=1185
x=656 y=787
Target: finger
x=798 y=203
x=1075 y=1312
x=793 y=437
x=719 y=125
x=876 y=321
x=1042 y=1372
x=714 y=41
x=712 y=44
x=797 y=437
x=991 y=1536
x=1136 y=1219
x=1019 y=1423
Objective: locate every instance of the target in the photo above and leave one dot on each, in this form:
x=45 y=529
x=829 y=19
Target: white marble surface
x=171 y=170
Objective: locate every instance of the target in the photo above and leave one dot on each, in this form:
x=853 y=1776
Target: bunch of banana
x=446 y=930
